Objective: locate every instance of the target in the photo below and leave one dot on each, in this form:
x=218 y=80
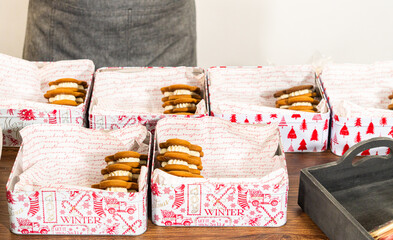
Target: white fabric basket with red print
x=358 y=96
x=125 y=96
x=22 y=88
x=245 y=95
x=245 y=176
x=48 y=191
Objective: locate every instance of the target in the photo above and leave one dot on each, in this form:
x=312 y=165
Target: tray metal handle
x=348 y=157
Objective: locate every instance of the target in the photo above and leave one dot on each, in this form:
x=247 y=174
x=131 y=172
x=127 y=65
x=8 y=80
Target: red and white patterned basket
x=246 y=180
x=22 y=87
x=358 y=96
x=245 y=95
x=125 y=96
x=58 y=208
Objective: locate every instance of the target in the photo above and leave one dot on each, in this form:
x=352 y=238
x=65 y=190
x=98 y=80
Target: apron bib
x=112 y=33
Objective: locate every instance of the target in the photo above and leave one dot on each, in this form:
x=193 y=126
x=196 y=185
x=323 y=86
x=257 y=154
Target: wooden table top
x=298 y=226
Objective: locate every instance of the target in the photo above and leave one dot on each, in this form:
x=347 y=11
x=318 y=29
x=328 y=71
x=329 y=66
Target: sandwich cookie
x=65 y=96
x=120 y=171
x=176 y=145
x=68 y=83
x=180 y=89
x=176 y=161
x=180 y=105
x=294 y=91
x=129 y=158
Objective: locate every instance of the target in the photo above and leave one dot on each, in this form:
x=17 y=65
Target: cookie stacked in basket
x=180 y=158
x=122 y=172
x=300 y=98
x=66 y=91
x=180 y=99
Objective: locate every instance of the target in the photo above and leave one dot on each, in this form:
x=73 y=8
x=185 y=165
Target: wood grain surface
x=298 y=226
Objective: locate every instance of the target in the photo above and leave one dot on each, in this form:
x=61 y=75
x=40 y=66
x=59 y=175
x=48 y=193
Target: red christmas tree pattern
x=336 y=118
x=391 y=132
x=314 y=135
x=282 y=123
x=358 y=138
x=246 y=121
x=303 y=145
x=326 y=126
x=344 y=130
x=383 y=121
x=290 y=149
x=334 y=140
x=345 y=149
x=233 y=118
x=292 y=134
x=358 y=122
x=365 y=153
x=303 y=126
x=317 y=117
x=296 y=116
x=370 y=129
x=324 y=146
x=258 y=118
x=388 y=151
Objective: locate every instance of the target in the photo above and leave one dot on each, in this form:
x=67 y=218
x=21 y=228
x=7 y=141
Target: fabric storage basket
x=245 y=95
x=245 y=177
x=348 y=199
x=22 y=88
x=358 y=96
x=125 y=96
x=48 y=191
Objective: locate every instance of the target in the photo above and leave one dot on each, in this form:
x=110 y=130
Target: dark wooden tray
x=347 y=199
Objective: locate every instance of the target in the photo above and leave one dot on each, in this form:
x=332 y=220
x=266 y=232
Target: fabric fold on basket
x=359 y=89
x=23 y=83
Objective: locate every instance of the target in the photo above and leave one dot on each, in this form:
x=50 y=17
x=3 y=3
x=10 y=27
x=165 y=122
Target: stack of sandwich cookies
x=180 y=158
x=66 y=91
x=180 y=99
x=391 y=103
x=122 y=171
x=300 y=98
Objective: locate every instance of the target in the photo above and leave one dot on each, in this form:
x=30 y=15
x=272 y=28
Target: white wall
x=255 y=32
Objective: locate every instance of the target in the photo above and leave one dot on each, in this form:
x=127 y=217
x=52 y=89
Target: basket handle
x=349 y=155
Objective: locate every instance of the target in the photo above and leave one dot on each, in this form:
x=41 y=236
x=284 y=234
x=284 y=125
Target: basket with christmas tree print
x=245 y=95
x=358 y=96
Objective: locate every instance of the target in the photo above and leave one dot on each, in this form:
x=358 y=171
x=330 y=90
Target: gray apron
x=112 y=32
